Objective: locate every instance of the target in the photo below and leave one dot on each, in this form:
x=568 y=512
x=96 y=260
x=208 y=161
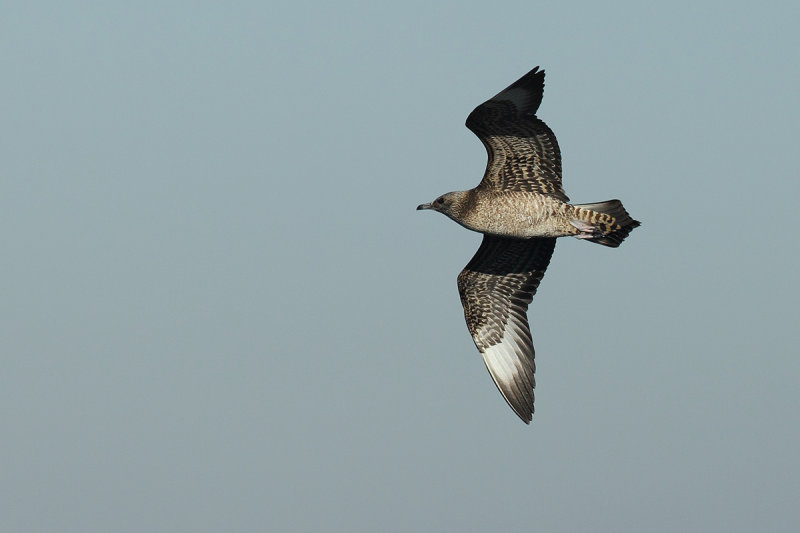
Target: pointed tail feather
x=610 y=221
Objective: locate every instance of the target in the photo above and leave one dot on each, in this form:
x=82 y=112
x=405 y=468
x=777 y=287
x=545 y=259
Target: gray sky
x=221 y=311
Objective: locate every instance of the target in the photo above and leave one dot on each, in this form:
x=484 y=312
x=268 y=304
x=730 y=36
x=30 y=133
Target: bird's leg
x=587 y=231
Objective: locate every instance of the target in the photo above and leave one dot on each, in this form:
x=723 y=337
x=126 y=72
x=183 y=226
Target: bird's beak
x=424 y=206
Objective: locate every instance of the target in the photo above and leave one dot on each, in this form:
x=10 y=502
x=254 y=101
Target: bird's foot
x=587 y=231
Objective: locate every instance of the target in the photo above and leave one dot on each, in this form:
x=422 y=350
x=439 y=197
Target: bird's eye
x=440 y=200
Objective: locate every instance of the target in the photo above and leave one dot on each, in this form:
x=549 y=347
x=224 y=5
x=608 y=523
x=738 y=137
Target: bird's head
x=451 y=204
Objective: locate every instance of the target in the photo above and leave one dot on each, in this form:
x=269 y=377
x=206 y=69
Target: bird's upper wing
x=496 y=287
x=523 y=152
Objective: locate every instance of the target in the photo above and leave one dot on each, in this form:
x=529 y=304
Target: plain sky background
x=221 y=312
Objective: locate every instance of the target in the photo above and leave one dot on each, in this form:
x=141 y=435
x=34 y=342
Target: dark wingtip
x=526 y=416
x=523 y=407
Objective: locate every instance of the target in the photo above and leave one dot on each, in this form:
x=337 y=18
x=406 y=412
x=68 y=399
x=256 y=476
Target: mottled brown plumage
x=523 y=152
x=520 y=207
x=496 y=287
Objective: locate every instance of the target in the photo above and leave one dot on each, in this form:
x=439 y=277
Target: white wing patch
x=501 y=360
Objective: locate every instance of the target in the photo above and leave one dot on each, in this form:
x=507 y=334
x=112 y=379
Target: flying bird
x=521 y=208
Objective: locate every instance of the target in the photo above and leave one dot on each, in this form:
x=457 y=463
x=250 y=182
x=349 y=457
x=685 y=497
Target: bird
x=521 y=208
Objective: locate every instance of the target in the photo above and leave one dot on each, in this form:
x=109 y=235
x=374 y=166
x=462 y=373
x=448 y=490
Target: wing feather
x=523 y=151
x=496 y=288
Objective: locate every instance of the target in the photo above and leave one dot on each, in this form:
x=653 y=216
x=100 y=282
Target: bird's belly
x=528 y=227
x=523 y=219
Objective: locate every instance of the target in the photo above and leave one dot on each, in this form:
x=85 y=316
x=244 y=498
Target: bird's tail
x=605 y=223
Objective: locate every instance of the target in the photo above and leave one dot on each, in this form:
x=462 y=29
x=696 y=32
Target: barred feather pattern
x=523 y=151
x=496 y=288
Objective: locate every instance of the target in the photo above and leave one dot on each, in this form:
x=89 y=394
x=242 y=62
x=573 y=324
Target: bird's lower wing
x=496 y=287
